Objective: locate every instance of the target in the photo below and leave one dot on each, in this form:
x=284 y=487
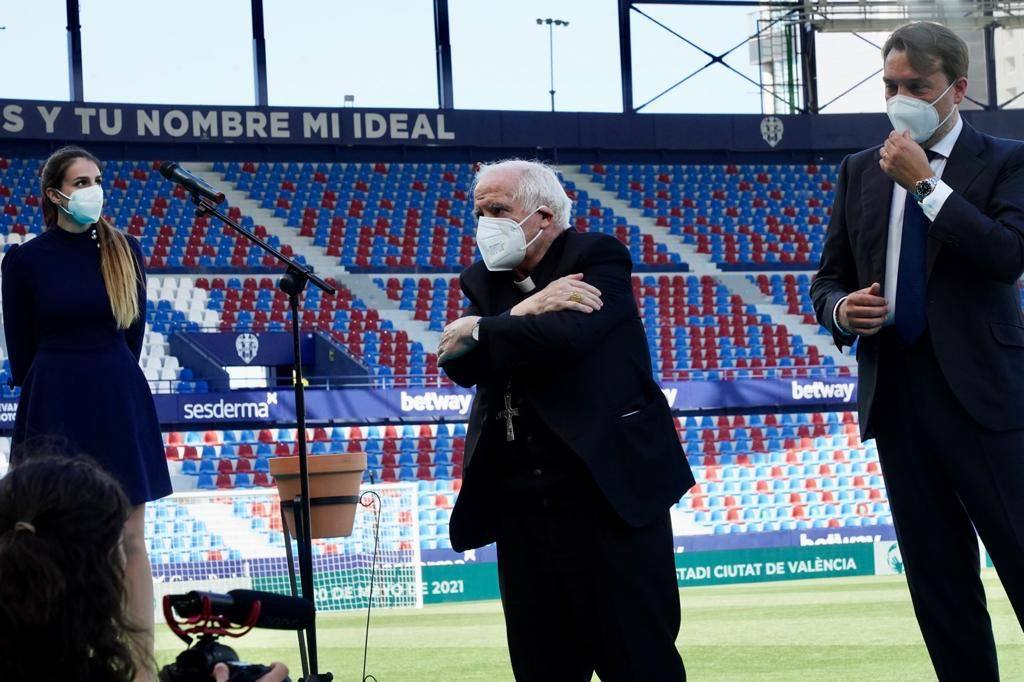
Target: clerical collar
x=546 y=264
x=526 y=285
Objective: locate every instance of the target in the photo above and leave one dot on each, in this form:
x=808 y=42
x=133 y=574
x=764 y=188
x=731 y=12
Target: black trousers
x=583 y=592
x=947 y=476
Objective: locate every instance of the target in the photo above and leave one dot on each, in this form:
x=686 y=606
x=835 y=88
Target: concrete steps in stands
x=362 y=286
x=700 y=264
x=323 y=265
x=326 y=266
x=812 y=334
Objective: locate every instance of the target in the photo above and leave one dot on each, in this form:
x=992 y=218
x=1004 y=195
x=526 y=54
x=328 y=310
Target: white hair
x=537 y=185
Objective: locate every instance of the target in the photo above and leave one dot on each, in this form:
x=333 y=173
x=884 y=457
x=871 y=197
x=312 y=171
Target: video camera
x=210 y=616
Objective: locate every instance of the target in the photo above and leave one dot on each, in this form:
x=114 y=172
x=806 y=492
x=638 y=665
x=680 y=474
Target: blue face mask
x=85 y=206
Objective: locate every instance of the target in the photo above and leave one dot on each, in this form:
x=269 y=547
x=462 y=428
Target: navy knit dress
x=79 y=373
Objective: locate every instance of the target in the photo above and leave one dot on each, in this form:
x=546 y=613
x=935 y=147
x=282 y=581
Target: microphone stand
x=293 y=282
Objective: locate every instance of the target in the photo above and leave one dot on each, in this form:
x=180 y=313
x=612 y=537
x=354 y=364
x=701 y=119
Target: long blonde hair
x=120 y=272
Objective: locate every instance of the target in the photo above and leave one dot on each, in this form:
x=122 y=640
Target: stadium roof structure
x=884 y=15
x=783 y=45
x=802 y=19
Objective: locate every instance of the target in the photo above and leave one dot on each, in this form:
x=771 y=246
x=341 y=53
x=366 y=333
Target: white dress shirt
x=930 y=206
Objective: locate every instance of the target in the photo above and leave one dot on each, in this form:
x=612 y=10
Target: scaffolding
x=784 y=47
x=856 y=16
x=776 y=49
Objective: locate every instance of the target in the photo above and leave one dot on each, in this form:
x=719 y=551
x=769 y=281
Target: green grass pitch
x=831 y=629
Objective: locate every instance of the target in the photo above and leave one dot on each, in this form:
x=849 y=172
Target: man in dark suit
x=572 y=459
x=921 y=262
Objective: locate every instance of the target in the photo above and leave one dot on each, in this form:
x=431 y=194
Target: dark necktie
x=912 y=280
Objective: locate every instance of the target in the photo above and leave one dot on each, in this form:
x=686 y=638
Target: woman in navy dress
x=74 y=316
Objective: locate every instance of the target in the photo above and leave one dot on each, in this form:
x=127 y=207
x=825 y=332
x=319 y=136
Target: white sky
x=382 y=51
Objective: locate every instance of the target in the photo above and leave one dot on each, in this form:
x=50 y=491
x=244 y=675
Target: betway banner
x=363 y=404
x=811 y=537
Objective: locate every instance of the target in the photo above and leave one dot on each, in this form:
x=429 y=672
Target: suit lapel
x=506 y=293
x=963 y=166
x=876 y=202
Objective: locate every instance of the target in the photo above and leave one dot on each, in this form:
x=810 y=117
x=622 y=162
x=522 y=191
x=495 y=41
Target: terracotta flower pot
x=334 y=482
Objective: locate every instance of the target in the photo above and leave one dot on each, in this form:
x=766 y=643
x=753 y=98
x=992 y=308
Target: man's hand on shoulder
x=568 y=293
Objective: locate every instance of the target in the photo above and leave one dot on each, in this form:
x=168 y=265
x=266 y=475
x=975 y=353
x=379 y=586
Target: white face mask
x=85 y=206
x=502 y=241
x=919 y=118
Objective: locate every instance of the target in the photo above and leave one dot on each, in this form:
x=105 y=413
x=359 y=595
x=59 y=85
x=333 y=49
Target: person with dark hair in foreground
x=921 y=263
x=62 y=578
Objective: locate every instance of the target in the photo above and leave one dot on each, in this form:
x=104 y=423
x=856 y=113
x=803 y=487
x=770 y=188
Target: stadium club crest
x=895 y=558
x=247 y=346
x=771 y=130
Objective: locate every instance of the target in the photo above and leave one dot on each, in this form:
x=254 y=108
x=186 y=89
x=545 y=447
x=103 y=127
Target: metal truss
x=713 y=58
x=848 y=16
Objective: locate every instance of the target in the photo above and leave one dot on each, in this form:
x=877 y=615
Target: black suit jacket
x=975 y=257
x=578 y=372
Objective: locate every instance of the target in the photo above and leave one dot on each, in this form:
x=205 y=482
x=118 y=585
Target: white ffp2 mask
x=502 y=242
x=919 y=118
x=85 y=206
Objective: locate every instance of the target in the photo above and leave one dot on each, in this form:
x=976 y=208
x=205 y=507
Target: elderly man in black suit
x=572 y=459
x=921 y=262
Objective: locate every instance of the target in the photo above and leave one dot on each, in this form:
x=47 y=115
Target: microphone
x=195 y=185
x=277 y=612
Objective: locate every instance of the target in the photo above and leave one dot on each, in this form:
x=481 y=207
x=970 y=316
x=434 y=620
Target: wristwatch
x=923 y=188
x=476 y=332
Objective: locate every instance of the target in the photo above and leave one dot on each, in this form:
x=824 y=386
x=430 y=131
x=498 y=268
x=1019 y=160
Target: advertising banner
x=351 y=127
x=356 y=404
x=774 y=563
x=197 y=124
x=473 y=580
x=211 y=410
x=888 y=560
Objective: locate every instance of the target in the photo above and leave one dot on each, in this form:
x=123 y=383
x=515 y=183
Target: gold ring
x=576 y=297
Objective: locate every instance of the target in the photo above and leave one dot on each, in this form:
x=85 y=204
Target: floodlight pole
x=74 y=28
x=551 y=23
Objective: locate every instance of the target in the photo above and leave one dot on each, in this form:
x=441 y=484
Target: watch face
x=923 y=188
